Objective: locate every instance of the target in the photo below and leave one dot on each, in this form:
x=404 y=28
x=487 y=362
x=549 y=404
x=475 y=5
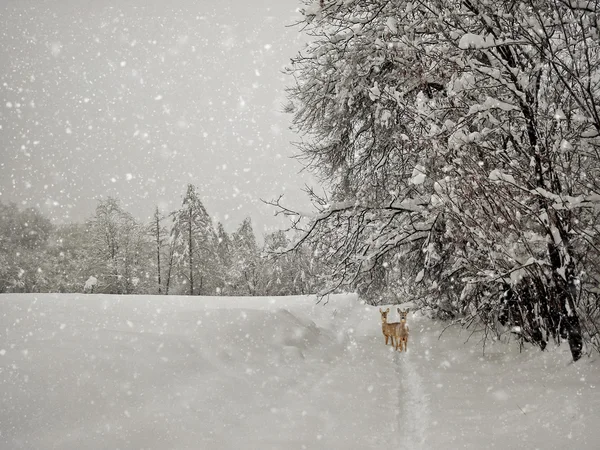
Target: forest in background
x=179 y=253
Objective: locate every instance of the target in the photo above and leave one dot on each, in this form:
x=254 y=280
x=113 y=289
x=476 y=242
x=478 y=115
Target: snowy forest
x=113 y=253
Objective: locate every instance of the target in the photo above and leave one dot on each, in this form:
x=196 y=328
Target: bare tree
x=158 y=233
x=117 y=246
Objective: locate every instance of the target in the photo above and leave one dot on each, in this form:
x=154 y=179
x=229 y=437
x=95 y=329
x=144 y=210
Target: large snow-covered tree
x=459 y=143
x=245 y=271
x=225 y=259
x=117 y=246
x=195 y=243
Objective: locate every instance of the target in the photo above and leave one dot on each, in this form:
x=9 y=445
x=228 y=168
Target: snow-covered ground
x=108 y=372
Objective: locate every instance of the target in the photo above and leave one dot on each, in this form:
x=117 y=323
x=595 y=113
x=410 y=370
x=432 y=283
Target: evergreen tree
x=225 y=255
x=195 y=244
x=245 y=270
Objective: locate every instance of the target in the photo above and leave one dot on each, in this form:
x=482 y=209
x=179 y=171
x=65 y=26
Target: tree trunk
x=570 y=325
x=569 y=321
x=564 y=285
x=170 y=268
x=190 y=248
x=158 y=250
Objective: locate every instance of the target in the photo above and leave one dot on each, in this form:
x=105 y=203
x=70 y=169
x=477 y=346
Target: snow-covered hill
x=100 y=372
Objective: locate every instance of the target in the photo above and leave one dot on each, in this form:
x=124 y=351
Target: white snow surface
x=158 y=372
x=418 y=175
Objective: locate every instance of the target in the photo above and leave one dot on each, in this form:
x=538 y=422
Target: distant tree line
x=179 y=253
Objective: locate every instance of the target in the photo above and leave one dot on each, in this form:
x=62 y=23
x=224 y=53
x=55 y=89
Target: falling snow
x=121 y=108
x=82 y=83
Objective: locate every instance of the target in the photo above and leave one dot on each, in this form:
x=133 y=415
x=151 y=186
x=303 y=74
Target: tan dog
x=388 y=329
x=401 y=331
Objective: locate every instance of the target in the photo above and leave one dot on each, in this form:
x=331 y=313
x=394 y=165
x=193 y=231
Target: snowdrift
x=156 y=372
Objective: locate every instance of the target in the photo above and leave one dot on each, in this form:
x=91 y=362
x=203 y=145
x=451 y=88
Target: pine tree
x=225 y=255
x=195 y=243
x=245 y=272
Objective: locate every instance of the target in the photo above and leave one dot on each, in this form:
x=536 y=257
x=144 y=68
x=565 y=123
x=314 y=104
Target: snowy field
x=107 y=372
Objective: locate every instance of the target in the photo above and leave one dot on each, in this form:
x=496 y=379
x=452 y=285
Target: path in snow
x=101 y=372
x=160 y=373
x=405 y=400
x=415 y=406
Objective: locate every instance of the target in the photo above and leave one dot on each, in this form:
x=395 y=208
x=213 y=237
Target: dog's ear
x=387 y=310
x=398 y=310
x=380 y=310
x=407 y=310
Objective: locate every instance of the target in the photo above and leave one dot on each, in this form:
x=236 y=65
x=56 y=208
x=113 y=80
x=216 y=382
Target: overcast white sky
x=98 y=100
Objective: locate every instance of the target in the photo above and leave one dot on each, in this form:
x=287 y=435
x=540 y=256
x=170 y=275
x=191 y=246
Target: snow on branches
x=395 y=105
